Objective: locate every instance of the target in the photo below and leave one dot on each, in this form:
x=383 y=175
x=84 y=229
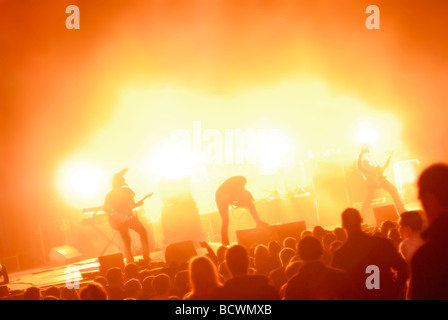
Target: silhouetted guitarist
x=375 y=179
x=232 y=192
x=119 y=205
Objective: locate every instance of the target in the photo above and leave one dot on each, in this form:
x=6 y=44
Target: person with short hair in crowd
x=429 y=265
x=242 y=285
x=316 y=281
x=410 y=228
x=361 y=251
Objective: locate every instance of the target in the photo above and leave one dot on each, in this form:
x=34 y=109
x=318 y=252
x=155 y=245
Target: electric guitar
x=116 y=219
x=377 y=176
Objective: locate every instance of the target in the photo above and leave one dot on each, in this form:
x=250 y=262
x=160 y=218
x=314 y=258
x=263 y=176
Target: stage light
x=81 y=183
x=366 y=133
x=406 y=175
x=272 y=149
x=172 y=162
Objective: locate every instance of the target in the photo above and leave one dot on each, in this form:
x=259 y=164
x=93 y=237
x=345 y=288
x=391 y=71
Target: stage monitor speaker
x=111 y=261
x=277 y=232
x=293 y=229
x=252 y=237
x=180 y=253
x=64 y=255
x=384 y=213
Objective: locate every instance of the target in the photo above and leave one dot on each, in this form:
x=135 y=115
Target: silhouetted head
x=118 y=179
x=53 y=291
x=433 y=190
x=221 y=253
x=114 y=277
x=328 y=239
x=340 y=234
x=290 y=242
x=93 y=291
x=131 y=271
x=133 y=288
x=147 y=285
x=318 y=232
x=286 y=255
x=306 y=233
x=386 y=225
x=237 y=260
x=203 y=274
x=351 y=220
x=411 y=219
x=182 y=279
x=274 y=248
x=310 y=249
x=161 y=284
x=69 y=294
x=32 y=293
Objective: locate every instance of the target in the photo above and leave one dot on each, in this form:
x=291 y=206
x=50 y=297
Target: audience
x=131 y=271
x=115 y=284
x=411 y=227
x=278 y=275
x=93 y=291
x=69 y=294
x=161 y=284
x=204 y=279
x=335 y=245
x=182 y=283
x=263 y=261
x=290 y=242
x=316 y=281
x=318 y=232
x=147 y=291
x=429 y=265
x=404 y=260
x=32 y=293
x=306 y=233
x=327 y=240
x=340 y=234
x=386 y=225
x=361 y=251
x=274 y=251
x=53 y=292
x=394 y=236
x=242 y=285
x=133 y=289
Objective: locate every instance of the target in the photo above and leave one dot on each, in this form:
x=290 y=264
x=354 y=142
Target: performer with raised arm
x=119 y=205
x=233 y=192
x=375 y=179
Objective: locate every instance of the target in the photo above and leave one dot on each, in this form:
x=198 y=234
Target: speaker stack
x=180 y=214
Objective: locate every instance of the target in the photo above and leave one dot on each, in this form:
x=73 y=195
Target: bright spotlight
x=81 y=183
x=172 y=162
x=366 y=133
x=271 y=150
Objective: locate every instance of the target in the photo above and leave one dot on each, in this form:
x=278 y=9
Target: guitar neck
x=146 y=197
